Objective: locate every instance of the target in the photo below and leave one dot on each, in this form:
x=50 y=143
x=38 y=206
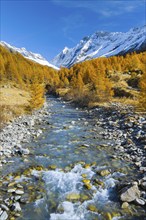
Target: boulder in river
x=130 y=193
x=103 y=172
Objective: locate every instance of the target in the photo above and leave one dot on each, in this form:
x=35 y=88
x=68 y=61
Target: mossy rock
x=11 y=184
x=88 y=185
x=52 y=167
x=107 y=216
x=93 y=163
x=99 y=182
x=103 y=172
x=86 y=166
x=67 y=169
x=17 y=177
x=39 y=197
x=84 y=175
x=26 y=172
x=12 y=218
x=73 y=196
x=84 y=197
x=125 y=205
x=39 y=168
x=53 y=204
x=81 y=162
x=86 y=181
x=92 y=208
x=115 y=214
x=31 y=187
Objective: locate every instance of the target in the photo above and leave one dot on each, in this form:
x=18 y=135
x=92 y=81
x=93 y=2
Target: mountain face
x=103 y=44
x=29 y=55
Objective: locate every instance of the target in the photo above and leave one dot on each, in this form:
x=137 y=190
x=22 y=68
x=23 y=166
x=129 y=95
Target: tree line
x=89 y=81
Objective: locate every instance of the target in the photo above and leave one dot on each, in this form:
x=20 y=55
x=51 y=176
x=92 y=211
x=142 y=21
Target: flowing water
x=61 y=175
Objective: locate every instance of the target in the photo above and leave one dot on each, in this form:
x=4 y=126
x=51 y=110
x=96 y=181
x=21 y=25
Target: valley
x=73 y=132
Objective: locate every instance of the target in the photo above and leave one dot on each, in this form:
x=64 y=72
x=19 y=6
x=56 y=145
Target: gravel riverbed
x=18 y=133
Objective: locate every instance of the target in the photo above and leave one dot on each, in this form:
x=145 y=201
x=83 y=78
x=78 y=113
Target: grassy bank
x=13 y=102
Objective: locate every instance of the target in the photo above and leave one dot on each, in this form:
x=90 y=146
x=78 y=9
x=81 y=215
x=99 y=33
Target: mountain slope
x=29 y=55
x=103 y=44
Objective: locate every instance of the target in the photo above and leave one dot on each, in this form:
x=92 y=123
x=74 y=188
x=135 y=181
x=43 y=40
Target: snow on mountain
x=103 y=44
x=29 y=55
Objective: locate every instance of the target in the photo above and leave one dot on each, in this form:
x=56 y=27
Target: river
x=62 y=176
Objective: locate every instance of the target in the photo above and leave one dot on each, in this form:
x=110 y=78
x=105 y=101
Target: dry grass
x=62 y=91
x=13 y=102
x=99 y=104
x=13 y=96
x=126 y=101
x=122 y=101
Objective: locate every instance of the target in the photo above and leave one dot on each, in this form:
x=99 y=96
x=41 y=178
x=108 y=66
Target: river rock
x=129 y=194
x=4 y=216
x=4 y=207
x=25 y=151
x=25 y=198
x=73 y=196
x=88 y=185
x=7 y=201
x=16 y=198
x=1 y=211
x=86 y=181
x=139 y=201
x=84 y=197
x=92 y=208
x=52 y=167
x=11 y=190
x=19 y=192
x=143 y=185
x=16 y=207
x=107 y=216
x=125 y=205
x=103 y=172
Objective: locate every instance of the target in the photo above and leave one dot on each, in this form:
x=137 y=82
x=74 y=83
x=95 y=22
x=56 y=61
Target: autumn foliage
x=90 y=81
x=27 y=74
x=96 y=80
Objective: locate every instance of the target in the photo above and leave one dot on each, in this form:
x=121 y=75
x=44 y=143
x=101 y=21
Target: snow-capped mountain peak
x=29 y=55
x=103 y=43
x=65 y=50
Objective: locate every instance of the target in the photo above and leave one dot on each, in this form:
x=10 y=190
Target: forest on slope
x=103 y=79
x=96 y=81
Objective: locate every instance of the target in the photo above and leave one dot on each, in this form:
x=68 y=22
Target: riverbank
x=128 y=130
x=120 y=125
x=13 y=102
x=18 y=133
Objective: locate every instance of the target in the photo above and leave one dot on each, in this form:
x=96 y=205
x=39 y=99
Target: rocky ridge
x=102 y=44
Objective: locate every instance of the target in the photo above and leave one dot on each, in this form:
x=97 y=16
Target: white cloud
x=106 y=8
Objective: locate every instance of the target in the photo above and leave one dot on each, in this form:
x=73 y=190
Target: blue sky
x=47 y=26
